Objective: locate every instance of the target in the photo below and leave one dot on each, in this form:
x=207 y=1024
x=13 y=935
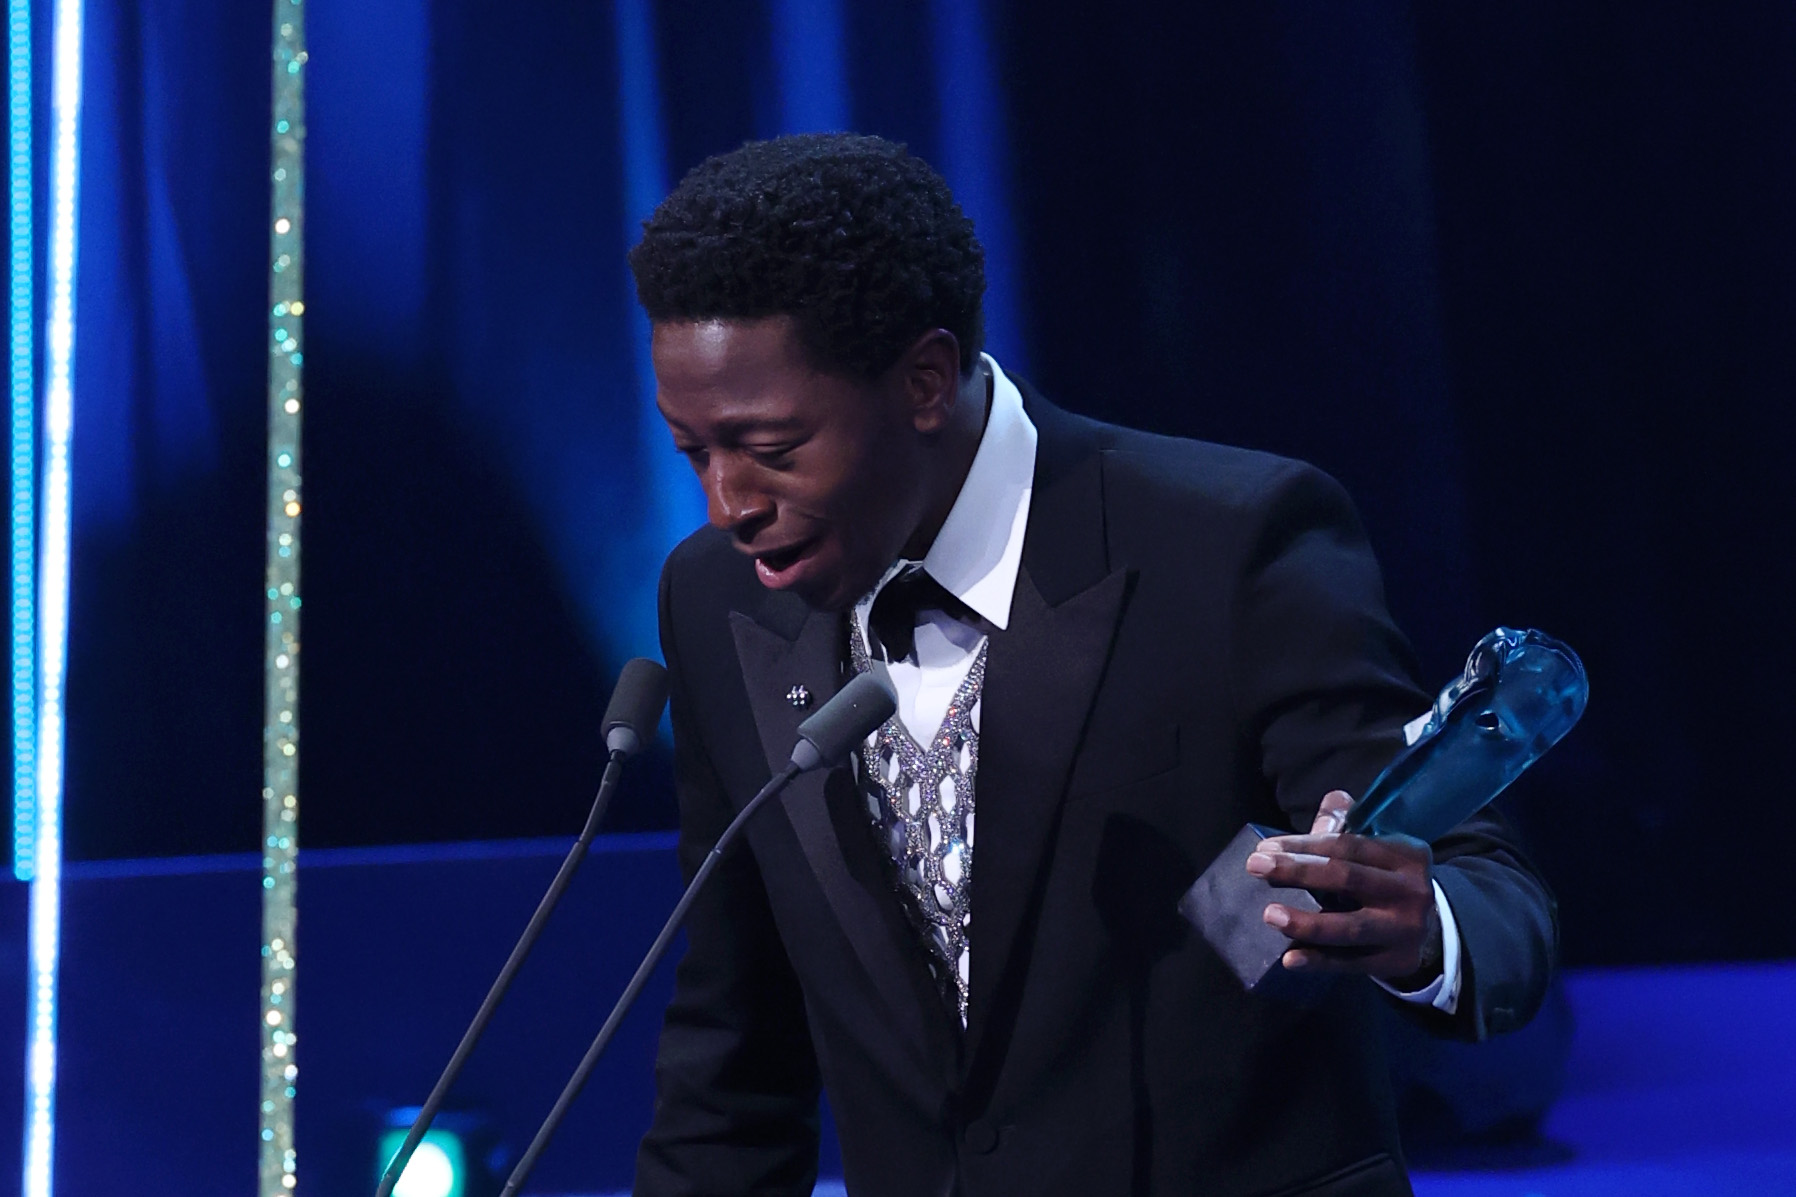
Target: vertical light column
x=53 y=602
x=24 y=448
x=973 y=158
x=809 y=41
x=675 y=503
x=277 y=1171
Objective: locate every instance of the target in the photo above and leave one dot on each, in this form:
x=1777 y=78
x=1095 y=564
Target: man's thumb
x=1333 y=815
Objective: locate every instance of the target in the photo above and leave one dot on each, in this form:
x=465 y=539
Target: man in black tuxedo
x=1111 y=650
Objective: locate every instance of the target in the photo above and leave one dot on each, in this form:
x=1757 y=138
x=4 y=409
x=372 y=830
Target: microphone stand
x=578 y=1081
x=427 y=1114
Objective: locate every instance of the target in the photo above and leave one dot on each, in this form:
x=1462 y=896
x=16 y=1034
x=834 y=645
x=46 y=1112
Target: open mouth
x=780 y=568
x=781 y=559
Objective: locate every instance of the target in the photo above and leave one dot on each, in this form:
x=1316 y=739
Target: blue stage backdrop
x=1523 y=279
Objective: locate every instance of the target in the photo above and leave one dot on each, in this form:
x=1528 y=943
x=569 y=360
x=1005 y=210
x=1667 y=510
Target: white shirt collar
x=979 y=550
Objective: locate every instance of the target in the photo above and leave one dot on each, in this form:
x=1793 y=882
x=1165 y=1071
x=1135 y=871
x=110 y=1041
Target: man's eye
x=773 y=455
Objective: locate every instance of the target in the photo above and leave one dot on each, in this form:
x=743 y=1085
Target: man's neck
x=960 y=447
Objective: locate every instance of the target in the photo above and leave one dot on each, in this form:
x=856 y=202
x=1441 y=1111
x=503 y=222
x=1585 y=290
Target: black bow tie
x=893 y=619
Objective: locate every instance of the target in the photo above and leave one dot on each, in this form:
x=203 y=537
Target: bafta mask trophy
x=1520 y=693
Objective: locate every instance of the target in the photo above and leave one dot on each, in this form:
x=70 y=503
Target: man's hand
x=1385 y=924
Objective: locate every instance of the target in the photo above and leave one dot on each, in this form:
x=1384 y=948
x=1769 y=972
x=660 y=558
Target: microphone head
x=851 y=716
x=636 y=706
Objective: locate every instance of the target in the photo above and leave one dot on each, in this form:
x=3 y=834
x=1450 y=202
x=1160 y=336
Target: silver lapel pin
x=799 y=696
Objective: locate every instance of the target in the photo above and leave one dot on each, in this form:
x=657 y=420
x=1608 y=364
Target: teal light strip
x=24 y=450
x=53 y=601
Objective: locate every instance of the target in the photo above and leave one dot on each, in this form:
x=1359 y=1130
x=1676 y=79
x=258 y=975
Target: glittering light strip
x=277 y=1171
x=53 y=603
x=24 y=451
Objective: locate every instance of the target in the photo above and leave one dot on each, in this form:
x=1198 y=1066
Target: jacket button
x=981 y=1136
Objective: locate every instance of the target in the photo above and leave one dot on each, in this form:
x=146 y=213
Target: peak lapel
x=779 y=649
x=1042 y=674
x=1041 y=677
x=788 y=647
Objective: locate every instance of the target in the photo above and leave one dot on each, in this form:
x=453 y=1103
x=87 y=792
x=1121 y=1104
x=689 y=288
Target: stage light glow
x=24 y=448
x=437 y=1169
x=52 y=602
x=809 y=51
x=973 y=157
x=675 y=504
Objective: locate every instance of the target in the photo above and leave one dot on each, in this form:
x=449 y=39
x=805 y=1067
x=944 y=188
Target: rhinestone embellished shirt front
x=921 y=803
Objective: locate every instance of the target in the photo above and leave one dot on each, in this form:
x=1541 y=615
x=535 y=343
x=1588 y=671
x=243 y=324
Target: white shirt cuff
x=1443 y=992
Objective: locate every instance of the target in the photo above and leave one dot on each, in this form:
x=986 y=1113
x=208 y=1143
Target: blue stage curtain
x=1521 y=280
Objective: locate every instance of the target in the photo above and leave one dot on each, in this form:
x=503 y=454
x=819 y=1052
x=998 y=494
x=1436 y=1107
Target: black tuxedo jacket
x=1198 y=639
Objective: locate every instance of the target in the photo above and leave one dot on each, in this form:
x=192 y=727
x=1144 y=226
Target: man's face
x=814 y=475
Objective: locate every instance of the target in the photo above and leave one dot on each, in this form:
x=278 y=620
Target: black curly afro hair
x=852 y=236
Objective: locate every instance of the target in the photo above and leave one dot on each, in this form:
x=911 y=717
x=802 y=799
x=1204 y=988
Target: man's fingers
x=1384 y=852
x=1374 y=943
x=1383 y=882
x=1365 y=930
x=1333 y=814
x=1365 y=884
x=1345 y=960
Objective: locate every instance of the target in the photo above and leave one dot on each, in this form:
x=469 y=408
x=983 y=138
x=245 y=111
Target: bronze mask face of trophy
x=1519 y=695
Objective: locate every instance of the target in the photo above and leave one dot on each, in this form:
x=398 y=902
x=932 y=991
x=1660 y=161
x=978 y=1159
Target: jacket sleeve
x=736 y=1079
x=1323 y=682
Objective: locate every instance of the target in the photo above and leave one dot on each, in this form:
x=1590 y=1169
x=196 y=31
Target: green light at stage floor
x=437 y=1169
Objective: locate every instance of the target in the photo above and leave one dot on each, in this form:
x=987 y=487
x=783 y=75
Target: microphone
x=857 y=710
x=636 y=706
x=851 y=716
x=630 y=721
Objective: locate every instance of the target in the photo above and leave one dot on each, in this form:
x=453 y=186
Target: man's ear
x=929 y=375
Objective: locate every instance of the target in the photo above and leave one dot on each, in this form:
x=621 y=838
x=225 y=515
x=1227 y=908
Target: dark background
x=1523 y=277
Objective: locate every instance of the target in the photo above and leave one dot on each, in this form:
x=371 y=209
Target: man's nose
x=732 y=502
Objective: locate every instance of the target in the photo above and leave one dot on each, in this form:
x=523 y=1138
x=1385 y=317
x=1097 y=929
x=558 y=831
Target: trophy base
x=1227 y=905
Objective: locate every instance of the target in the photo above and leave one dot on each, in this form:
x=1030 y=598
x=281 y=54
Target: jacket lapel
x=789 y=645
x=1042 y=674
